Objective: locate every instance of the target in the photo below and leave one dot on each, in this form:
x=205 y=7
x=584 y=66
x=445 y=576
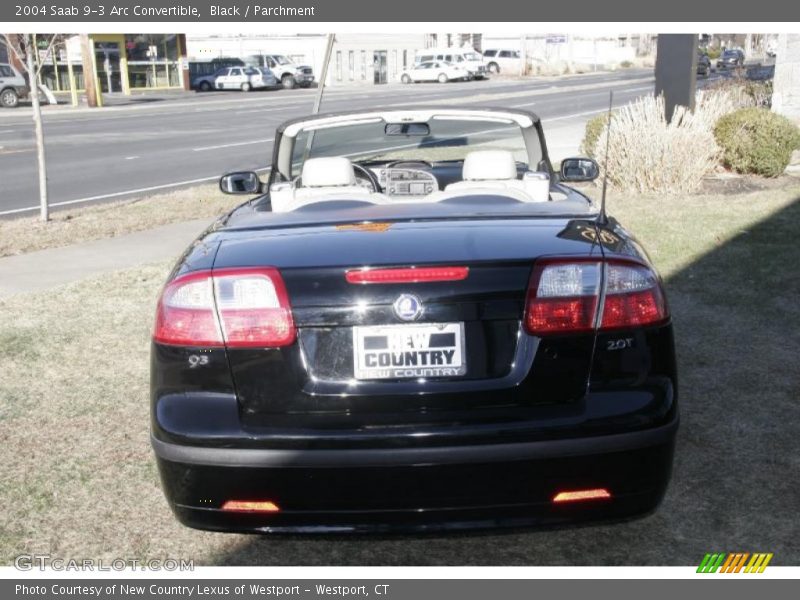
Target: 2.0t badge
x=408 y=307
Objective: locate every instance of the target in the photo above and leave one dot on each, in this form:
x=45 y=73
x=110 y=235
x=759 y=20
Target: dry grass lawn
x=78 y=476
x=85 y=223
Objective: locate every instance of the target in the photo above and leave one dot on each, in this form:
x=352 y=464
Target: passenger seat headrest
x=485 y=165
x=332 y=171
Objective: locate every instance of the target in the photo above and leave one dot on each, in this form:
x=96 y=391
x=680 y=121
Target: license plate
x=409 y=351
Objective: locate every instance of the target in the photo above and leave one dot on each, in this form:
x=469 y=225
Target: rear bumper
x=418 y=488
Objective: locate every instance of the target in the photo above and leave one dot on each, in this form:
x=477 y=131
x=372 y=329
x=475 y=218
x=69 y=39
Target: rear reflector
x=250 y=506
x=246 y=307
x=581 y=495
x=565 y=295
x=407 y=275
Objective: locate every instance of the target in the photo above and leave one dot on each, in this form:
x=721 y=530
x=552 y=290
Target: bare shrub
x=550 y=68
x=648 y=154
x=745 y=92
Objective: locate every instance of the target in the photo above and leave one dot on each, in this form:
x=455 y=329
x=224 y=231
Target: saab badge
x=408 y=307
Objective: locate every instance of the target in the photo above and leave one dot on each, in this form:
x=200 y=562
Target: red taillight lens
x=232 y=307
x=633 y=297
x=563 y=297
x=186 y=315
x=407 y=275
x=253 y=307
x=565 y=294
x=250 y=506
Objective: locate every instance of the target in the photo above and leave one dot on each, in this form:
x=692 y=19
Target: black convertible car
x=415 y=324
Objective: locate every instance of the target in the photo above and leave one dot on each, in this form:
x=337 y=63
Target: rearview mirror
x=407 y=129
x=240 y=182
x=579 y=169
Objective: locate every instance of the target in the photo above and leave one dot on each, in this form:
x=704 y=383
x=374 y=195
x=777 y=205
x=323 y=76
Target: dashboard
x=406 y=182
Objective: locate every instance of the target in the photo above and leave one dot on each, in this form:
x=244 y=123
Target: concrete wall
x=786 y=96
x=567 y=48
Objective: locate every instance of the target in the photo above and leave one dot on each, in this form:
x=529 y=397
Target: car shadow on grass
x=734 y=487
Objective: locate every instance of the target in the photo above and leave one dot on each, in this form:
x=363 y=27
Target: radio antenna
x=602 y=218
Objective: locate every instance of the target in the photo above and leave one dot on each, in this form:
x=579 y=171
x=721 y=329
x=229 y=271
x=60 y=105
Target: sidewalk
x=116 y=101
x=46 y=269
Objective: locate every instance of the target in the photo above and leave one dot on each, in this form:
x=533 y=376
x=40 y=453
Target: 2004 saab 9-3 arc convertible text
x=415 y=325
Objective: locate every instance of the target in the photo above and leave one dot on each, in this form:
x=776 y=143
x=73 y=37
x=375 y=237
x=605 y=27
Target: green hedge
x=594 y=128
x=756 y=140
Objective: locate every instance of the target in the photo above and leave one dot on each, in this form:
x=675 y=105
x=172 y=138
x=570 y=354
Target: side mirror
x=240 y=182
x=579 y=169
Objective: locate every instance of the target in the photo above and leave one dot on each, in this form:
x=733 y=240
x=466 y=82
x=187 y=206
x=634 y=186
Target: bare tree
x=24 y=48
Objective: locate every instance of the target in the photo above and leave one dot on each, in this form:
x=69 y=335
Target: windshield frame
x=529 y=123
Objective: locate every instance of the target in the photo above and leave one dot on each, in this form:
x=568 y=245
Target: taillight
x=407 y=275
x=242 y=307
x=633 y=297
x=185 y=315
x=565 y=296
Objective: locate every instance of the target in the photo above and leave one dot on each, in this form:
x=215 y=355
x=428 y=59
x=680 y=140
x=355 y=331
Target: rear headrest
x=328 y=172
x=484 y=165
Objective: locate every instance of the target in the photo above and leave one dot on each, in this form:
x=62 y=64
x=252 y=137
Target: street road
x=180 y=140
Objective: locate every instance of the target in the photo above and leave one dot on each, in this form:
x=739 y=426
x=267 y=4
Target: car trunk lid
x=504 y=369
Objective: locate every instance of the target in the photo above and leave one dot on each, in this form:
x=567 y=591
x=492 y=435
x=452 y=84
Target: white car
x=287 y=72
x=12 y=86
x=502 y=60
x=466 y=58
x=244 y=78
x=434 y=70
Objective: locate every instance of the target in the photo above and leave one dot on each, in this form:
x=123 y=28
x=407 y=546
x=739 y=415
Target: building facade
x=122 y=63
x=367 y=59
x=786 y=96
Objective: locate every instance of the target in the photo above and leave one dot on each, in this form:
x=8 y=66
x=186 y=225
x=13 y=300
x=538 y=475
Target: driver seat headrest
x=489 y=165
x=334 y=171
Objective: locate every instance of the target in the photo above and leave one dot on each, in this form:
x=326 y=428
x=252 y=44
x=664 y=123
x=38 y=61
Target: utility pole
x=73 y=88
x=318 y=99
x=324 y=75
x=89 y=84
x=44 y=209
x=675 y=71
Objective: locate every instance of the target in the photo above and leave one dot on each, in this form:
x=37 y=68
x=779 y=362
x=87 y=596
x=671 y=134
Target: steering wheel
x=368 y=175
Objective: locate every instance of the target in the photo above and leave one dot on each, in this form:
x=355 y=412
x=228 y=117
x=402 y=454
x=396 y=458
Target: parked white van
x=502 y=60
x=465 y=58
x=12 y=86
